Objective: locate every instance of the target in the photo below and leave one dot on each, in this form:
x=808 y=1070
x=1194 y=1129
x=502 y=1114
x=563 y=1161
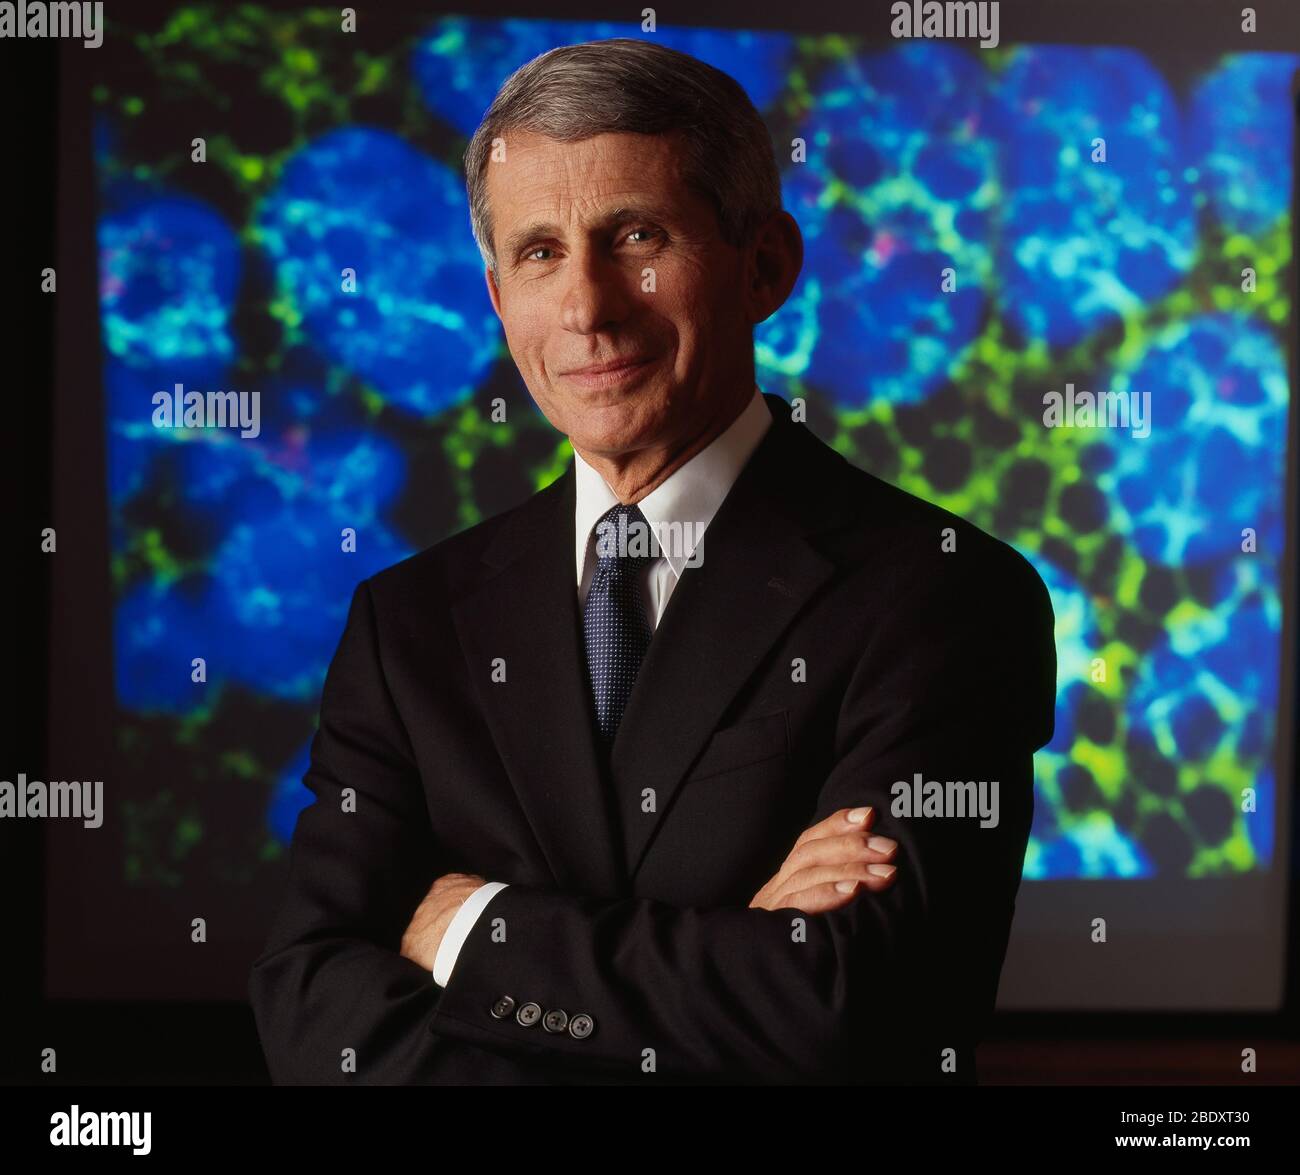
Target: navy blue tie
x=614 y=617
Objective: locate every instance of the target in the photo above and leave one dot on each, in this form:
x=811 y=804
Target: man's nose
x=596 y=291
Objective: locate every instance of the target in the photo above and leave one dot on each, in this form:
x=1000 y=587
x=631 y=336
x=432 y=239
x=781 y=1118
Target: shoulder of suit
x=893 y=524
x=452 y=564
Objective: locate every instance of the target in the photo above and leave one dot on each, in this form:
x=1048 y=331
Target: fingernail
x=881 y=870
x=845 y=886
x=858 y=815
x=882 y=844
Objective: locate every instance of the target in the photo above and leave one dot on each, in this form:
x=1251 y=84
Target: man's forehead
x=600 y=181
x=603 y=163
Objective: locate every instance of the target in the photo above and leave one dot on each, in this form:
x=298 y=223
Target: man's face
x=603 y=254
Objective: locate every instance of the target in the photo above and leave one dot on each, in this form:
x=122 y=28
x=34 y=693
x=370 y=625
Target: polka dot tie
x=614 y=618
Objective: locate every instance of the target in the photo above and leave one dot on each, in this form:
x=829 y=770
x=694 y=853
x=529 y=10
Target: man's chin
x=612 y=427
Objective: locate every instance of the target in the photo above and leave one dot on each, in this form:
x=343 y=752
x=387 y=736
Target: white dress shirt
x=677 y=511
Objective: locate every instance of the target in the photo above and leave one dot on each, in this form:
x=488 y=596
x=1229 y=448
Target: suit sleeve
x=957 y=684
x=362 y=857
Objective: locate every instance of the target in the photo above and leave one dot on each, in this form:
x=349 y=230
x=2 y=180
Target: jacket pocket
x=751 y=741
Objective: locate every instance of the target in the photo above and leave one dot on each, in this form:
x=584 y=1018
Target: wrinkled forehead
x=585 y=183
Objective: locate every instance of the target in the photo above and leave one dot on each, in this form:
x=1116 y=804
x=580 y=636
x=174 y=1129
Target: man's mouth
x=612 y=372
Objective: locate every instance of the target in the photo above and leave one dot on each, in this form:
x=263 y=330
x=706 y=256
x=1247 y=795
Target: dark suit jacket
x=826 y=647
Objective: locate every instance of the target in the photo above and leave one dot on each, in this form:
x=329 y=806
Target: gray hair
x=623 y=85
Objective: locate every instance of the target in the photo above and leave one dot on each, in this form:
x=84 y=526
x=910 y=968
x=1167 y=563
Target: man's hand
x=828 y=864
x=421 y=939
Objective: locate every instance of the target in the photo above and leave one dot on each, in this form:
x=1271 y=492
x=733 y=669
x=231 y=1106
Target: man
x=595 y=811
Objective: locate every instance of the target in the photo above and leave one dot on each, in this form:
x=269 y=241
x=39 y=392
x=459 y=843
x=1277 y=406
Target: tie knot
x=624 y=540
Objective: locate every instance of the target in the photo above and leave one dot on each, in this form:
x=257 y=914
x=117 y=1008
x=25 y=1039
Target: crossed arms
x=771 y=992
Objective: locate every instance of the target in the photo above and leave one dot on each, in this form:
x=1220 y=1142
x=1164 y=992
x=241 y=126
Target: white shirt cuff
x=458 y=930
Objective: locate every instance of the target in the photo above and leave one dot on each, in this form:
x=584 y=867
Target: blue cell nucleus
x=1092 y=847
x=1083 y=241
x=1243 y=125
x=268 y=614
x=133 y=441
x=282 y=587
x=168 y=275
x=1212 y=679
x=1213 y=463
x=893 y=203
x=461 y=63
x=418 y=326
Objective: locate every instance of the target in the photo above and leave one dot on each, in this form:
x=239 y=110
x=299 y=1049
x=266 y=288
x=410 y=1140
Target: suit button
x=503 y=1007
x=556 y=1020
x=529 y=1014
x=581 y=1026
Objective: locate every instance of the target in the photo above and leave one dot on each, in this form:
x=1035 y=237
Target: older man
x=600 y=801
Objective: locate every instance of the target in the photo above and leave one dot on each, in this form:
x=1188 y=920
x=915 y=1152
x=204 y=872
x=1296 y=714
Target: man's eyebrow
x=540 y=230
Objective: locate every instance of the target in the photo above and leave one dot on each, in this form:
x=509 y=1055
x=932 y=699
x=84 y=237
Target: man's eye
x=650 y=234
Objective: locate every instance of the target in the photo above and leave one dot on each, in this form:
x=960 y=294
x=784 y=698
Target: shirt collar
x=690 y=495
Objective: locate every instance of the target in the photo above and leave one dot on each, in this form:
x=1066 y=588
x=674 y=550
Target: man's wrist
x=458 y=930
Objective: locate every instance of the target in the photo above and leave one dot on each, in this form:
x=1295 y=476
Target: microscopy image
x=981 y=229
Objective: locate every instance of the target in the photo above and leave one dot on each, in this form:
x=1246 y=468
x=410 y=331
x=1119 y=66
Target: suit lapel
x=757 y=574
x=540 y=716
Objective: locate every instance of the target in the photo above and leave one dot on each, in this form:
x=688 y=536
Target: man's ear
x=493 y=292
x=776 y=262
